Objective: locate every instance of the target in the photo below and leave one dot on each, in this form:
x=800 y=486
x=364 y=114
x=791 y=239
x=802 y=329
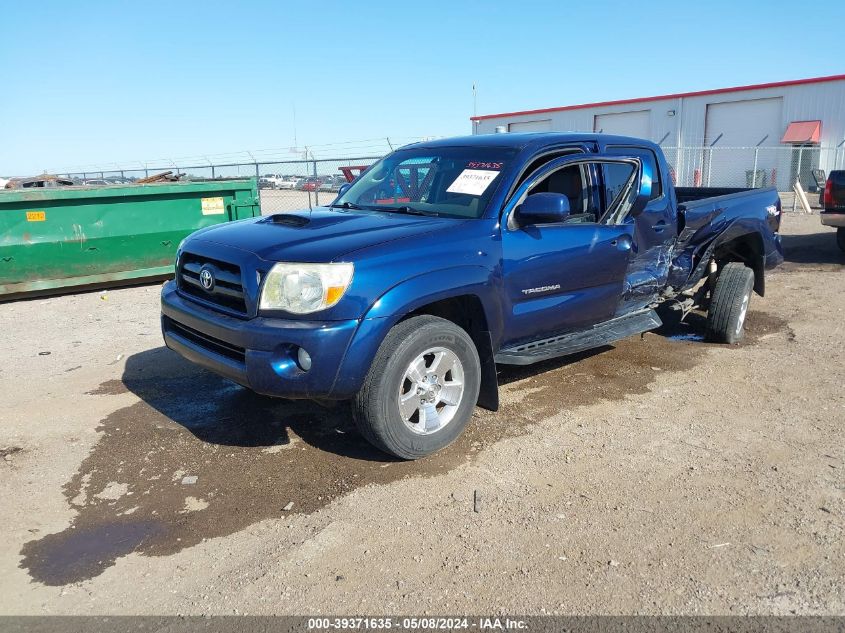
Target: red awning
x=803 y=132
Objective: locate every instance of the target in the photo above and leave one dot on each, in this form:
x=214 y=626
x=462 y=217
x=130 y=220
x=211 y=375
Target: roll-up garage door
x=636 y=124
x=543 y=125
x=741 y=124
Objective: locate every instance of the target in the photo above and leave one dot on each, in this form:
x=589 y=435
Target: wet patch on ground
x=109 y=388
x=199 y=457
x=760 y=325
x=84 y=553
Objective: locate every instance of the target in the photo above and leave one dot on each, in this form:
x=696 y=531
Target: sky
x=99 y=85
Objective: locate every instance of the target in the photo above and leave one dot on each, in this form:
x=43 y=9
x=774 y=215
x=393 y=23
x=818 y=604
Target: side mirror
x=343 y=189
x=644 y=193
x=543 y=208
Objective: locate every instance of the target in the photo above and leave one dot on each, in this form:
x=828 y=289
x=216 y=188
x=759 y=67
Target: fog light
x=303 y=358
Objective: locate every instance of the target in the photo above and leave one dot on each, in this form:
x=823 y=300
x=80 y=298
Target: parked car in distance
x=833 y=201
x=266 y=183
x=310 y=184
x=288 y=182
x=449 y=257
x=332 y=183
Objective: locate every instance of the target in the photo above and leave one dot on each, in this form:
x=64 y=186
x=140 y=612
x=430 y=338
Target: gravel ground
x=661 y=475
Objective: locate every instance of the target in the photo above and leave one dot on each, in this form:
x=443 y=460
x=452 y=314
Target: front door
x=565 y=276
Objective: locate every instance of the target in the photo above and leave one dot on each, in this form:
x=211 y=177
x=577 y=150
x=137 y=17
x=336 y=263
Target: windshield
x=445 y=181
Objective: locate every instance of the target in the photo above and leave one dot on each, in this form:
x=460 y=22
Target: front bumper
x=832 y=218
x=258 y=353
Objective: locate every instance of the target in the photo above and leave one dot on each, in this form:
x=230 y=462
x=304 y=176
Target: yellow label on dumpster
x=213 y=206
x=36 y=216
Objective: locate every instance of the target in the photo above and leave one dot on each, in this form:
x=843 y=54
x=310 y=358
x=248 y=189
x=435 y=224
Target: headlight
x=304 y=288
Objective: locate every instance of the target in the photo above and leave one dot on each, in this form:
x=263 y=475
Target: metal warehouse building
x=759 y=135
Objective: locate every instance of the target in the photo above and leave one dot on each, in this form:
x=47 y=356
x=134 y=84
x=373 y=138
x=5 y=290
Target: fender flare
x=411 y=295
x=739 y=232
x=416 y=292
x=734 y=232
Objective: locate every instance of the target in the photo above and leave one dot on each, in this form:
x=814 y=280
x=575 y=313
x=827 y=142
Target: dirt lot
x=662 y=475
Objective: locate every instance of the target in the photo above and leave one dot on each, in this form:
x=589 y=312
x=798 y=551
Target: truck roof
x=534 y=139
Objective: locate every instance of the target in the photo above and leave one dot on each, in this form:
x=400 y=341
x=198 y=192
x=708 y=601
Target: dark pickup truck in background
x=447 y=257
x=833 y=203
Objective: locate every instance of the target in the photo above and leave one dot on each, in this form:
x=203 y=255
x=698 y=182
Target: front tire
x=729 y=304
x=421 y=388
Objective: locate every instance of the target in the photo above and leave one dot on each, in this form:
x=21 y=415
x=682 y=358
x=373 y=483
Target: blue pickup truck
x=448 y=257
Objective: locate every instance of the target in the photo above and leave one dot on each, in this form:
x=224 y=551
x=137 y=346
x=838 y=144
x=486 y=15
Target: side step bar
x=574 y=342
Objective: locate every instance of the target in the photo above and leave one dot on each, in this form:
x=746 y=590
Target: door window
x=617 y=179
x=573 y=182
x=589 y=201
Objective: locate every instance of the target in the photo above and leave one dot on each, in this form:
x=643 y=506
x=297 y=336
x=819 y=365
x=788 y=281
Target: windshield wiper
x=408 y=210
x=346 y=205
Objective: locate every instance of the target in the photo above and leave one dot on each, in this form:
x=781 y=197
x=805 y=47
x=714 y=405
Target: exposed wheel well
x=464 y=310
x=467 y=312
x=747 y=249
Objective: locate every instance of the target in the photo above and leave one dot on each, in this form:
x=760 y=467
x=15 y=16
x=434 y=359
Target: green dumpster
x=57 y=238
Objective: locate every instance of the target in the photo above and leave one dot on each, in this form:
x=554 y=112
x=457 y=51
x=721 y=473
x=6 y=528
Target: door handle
x=659 y=227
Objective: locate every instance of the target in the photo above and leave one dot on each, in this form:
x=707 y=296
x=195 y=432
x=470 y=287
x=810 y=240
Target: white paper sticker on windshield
x=473 y=181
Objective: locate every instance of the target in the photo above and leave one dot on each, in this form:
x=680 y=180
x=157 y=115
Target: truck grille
x=227 y=290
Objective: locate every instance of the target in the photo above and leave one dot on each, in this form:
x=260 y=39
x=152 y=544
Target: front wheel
x=421 y=388
x=729 y=304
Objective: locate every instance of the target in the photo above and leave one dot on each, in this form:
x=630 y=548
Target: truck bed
x=708 y=215
x=691 y=194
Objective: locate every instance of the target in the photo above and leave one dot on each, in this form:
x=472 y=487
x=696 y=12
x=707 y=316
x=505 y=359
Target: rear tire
x=840 y=238
x=729 y=304
x=421 y=389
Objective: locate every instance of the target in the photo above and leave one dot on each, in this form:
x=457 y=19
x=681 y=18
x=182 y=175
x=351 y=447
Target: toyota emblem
x=207 y=279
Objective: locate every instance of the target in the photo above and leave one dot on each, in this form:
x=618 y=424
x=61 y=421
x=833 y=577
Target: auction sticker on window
x=213 y=206
x=473 y=181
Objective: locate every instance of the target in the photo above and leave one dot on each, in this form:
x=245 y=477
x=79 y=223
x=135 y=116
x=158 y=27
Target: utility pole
x=295 y=144
x=474 y=107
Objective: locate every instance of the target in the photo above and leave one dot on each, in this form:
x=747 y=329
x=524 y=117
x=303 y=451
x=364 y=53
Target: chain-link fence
x=283 y=185
x=778 y=167
x=300 y=184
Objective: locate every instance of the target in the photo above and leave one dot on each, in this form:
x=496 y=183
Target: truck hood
x=323 y=235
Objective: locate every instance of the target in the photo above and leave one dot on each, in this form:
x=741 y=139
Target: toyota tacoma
x=448 y=257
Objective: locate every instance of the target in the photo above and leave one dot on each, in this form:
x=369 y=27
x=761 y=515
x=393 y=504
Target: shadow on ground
x=813 y=251
x=198 y=457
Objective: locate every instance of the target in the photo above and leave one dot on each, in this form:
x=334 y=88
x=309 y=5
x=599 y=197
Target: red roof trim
x=699 y=93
